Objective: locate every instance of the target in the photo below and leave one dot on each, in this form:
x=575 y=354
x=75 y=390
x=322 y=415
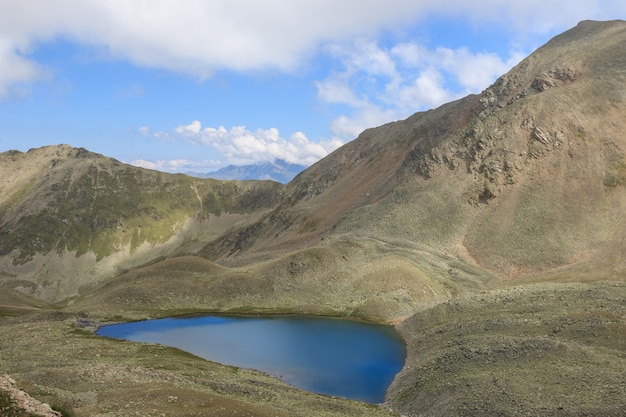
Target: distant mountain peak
x=278 y=170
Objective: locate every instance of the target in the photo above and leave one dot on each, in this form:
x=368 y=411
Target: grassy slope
x=57 y=360
x=541 y=349
x=404 y=232
x=73 y=213
x=535 y=182
x=330 y=279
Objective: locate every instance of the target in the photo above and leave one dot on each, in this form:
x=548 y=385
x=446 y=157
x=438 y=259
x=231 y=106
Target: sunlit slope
x=526 y=180
x=69 y=217
x=330 y=279
x=528 y=177
x=543 y=350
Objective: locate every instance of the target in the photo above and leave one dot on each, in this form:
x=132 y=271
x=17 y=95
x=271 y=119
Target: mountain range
x=279 y=170
x=490 y=231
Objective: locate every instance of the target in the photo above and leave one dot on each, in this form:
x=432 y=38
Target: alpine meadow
x=490 y=231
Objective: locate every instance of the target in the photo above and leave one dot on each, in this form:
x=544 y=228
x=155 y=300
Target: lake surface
x=338 y=357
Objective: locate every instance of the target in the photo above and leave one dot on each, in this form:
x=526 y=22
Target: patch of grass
x=66 y=409
x=79 y=331
x=616 y=176
x=521 y=350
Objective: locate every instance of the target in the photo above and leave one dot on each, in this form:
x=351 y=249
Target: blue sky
x=196 y=85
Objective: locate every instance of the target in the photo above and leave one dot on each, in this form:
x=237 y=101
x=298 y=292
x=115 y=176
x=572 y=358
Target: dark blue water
x=344 y=358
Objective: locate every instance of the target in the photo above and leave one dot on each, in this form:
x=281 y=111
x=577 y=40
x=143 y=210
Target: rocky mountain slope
x=490 y=230
x=525 y=178
x=16 y=402
x=524 y=181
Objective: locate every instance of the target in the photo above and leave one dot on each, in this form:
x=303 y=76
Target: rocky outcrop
x=21 y=402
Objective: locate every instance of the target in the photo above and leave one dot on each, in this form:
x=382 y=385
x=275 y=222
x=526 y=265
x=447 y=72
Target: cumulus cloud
x=198 y=37
x=17 y=71
x=474 y=71
x=380 y=84
x=349 y=127
x=194 y=37
x=147 y=131
x=241 y=146
x=190 y=130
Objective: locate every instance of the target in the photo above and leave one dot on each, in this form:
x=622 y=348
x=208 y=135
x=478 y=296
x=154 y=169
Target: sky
x=196 y=85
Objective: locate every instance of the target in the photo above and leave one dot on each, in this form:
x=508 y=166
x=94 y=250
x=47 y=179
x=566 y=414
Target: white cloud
x=17 y=71
x=194 y=37
x=241 y=146
x=145 y=131
x=380 y=85
x=198 y=37
x=474 y=71
x=365 y=56
x=349 y=127
x=427 y=90
x=157 y=165
x=336 y=89
x=191 y=129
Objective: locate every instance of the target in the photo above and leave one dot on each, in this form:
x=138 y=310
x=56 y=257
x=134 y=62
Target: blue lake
x=345 y=358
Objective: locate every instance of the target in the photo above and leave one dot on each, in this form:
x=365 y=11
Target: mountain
x=279 y=171
x=82 y=216
x=490 y=231
x=525 y=179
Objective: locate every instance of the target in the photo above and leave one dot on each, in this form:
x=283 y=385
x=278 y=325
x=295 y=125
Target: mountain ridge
x=278 y=170
x=488 y=153
x=84 y=215
x=450 y=180
x=490 y=231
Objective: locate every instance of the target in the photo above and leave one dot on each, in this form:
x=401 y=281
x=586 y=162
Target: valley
x=490 y=231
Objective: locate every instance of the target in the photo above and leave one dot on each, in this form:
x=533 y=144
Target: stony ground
x=551 y=349
x=543 y=349
x=56 y=359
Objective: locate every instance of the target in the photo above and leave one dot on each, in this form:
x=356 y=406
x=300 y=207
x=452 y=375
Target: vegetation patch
x=535 y=350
